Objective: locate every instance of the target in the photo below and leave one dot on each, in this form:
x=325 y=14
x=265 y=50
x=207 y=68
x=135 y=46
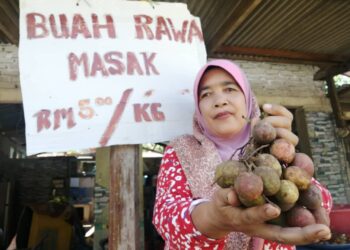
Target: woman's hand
x=281 y=118
x=222 y=215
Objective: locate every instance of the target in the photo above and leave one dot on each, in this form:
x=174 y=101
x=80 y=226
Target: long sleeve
x=172 y=217
x=327 y=200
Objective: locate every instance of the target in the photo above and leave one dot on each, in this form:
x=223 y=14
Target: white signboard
x=99 y=72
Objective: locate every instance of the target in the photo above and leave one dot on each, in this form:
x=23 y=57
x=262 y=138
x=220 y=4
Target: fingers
x=257 y=214
x=321 y=216
x=283 y=128
x=279 y=121
x=277 y=110
x=288 y=135
x=305 y=235
x=293 y=235
x=226 y=196
x=229 y=204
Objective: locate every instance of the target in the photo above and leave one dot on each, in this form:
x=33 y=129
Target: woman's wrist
x=205 y=219
x=196 y=202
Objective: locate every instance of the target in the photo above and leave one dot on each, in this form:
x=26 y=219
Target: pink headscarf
x=226 y=146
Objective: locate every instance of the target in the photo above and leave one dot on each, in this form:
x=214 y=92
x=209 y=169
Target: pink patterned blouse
x=172 y=217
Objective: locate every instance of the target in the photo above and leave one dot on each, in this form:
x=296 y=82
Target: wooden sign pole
x=124 y=200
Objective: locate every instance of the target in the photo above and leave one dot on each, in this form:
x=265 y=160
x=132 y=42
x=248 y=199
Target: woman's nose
x=220 y=101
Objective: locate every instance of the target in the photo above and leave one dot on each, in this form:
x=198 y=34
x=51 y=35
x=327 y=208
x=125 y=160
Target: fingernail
x=270 y=211
x=267 y=106
x=326 y=237
x=322 y=234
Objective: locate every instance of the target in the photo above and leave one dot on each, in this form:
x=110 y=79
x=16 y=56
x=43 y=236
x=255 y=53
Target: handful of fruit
x=269 y=170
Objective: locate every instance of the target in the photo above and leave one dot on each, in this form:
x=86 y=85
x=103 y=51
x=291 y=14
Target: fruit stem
x=216 y=181
x=269 y=201
x=241 y=149
x=255 y=151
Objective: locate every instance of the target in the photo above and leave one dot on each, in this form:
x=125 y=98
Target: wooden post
x=124 y=199
x=301 y=127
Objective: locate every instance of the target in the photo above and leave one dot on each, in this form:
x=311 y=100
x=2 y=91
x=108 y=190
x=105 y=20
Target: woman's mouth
x=222 y=115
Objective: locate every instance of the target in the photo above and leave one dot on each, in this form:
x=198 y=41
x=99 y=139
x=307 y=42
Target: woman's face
x=221 y=103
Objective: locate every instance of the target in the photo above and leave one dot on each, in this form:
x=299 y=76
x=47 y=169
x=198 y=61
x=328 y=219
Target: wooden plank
x=124 y=203
x=325 y=73
x=232 y=23
x=309 y=104
x=280 y=54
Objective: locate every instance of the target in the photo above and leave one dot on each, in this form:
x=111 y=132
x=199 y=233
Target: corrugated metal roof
x=302 y=31
x=9 y=21
x=313 y=26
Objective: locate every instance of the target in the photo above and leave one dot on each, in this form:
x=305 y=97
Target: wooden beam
x=124 y=199
x=268 y=59
x=10 y=96
x=325 y=73
x=309 y=104
x=290 y=55
x=301 y=127
x=232 y=23
x=344 y=101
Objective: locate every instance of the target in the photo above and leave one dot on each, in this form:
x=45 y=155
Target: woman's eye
x=203 y=95
x=230 y=89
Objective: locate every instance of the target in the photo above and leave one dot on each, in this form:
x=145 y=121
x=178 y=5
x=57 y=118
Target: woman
x=190 y=212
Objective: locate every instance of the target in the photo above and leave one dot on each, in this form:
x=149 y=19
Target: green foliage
x=340 y=80
x=154 y=147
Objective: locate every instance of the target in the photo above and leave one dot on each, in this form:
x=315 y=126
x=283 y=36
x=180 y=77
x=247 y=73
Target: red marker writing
x=119 y=109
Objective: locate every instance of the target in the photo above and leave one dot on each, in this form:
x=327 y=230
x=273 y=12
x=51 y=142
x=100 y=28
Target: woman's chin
x=227 y=134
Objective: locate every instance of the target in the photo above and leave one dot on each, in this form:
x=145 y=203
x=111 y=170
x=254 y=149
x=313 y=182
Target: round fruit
x=288 y=192
x=299 y=217
x=248 y=186
x=257 y=202
x=270 y=179
x=227 y=172
x=298 y=176
x=311 y=197
x=283 y=150
x=304 y=161
x=269 y=161
x=263 y=132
